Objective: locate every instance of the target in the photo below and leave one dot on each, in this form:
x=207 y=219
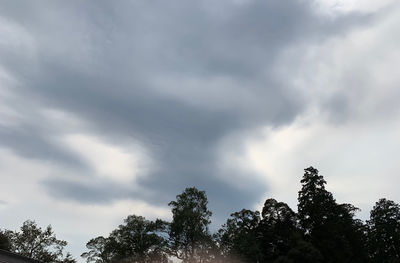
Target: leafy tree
x=384 y=231
x=278 y=229
x=302 y=252
x=4 y=241
x=238 y=237
x=189 y=235
x=352 y=232
x=33 y=242
x=101 y=249
x=137 y=240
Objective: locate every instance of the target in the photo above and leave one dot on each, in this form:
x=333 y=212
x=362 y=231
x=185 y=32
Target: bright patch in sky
x=340 y=6
x=123 y=164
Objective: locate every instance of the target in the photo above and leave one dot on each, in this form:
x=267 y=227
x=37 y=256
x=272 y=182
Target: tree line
x=321 y=230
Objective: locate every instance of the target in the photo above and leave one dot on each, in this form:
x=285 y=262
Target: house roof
x=9 y=257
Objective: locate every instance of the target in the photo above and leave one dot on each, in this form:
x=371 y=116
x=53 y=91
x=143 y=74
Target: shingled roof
x=9 y=257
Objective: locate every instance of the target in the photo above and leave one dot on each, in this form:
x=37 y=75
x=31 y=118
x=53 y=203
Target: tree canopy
x=189 y=235
x=321 y=231
x=384 y=231
x=238 y=237
x=329 y=226
x=137 y=240
x=34 y=242
x=4 y=241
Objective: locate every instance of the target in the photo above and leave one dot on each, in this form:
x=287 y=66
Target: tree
x=33 y=242
x=315 y=202
x=4 y=241
x=329 y=226
x=301 y=252
x=137 y=240
x=238 y=237
x=189 y=235
x=384 y=231
x=278 y=229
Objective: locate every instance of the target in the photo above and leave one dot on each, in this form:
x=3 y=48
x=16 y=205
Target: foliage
x=189 y=234
x=322 y=231
x=315 y=203
x=33 y=242
x=302 y=252
x=329 y=226
x=238 y=237
x=4 y=241
x=384 y=231
x=278 y=229
x=137 y=240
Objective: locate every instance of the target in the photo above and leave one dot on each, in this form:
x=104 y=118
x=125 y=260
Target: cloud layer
x=106 y=105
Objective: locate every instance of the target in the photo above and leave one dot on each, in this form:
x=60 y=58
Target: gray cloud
x=28 y=142
x=93 y=193
x=147 y=71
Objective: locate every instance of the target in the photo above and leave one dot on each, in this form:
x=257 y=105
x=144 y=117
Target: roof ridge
x=18 y=255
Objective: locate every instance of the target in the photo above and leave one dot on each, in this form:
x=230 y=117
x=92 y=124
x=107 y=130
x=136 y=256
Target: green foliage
x=238 y=237
x=302 y=252
x=4 y=242
x=37 y=243
x=315 y=203
x=329 y=226
x=137 y=240
x=322 y=231
x=384 y=231
x=278 y=229
x=189 y=236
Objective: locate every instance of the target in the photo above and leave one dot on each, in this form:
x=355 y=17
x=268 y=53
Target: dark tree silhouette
x=322 y=231
x=278 y=229
x=330 y=227
x=238 y=237
x=315 y=202
x=137 y=240
x=4 y=241
x=33 y=242
x=101 y=250
x=301 y=252
x=189 y=237
x=384 y=231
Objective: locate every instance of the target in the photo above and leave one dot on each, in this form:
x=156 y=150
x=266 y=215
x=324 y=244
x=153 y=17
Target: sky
x=112 y=108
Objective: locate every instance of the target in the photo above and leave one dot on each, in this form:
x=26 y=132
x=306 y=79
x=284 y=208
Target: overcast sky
x=111 y=108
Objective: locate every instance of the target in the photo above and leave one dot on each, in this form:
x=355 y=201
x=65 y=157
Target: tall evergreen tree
x=315 y=202
x=329 y=226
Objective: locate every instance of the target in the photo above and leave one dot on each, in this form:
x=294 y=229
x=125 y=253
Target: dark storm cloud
x=30 y=143
x=93 y=193
x=118 y=64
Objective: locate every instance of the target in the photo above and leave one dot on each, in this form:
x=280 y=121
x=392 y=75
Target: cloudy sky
x=111 y=108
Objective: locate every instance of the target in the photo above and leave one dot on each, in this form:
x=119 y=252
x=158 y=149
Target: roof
x=9 y=257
